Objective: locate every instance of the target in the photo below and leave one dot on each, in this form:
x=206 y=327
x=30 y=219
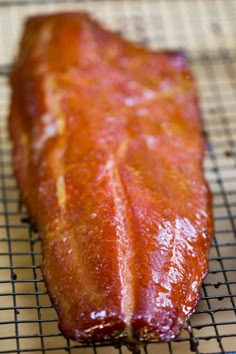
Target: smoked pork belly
x=108 y=155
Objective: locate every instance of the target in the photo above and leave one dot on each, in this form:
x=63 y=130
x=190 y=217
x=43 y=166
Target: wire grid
x=207 y=31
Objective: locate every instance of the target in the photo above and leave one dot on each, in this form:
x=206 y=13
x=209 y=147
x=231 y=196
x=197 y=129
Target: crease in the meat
x=60 y=175
x=50 y=130
x=54 y=122
x=61 y=190
x=125 y=254
x=53 y=119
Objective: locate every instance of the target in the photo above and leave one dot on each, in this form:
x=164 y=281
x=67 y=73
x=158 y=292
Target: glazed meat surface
x=108 y=153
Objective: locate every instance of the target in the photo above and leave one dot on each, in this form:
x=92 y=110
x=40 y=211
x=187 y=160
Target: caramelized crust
x=108 y=154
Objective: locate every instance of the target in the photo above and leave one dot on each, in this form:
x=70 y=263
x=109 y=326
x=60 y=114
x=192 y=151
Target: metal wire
x=206 y=30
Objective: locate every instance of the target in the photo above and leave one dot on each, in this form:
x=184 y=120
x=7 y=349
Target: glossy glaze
x=108 y=157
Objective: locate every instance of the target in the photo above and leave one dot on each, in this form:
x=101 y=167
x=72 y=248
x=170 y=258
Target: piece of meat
x=108 y=152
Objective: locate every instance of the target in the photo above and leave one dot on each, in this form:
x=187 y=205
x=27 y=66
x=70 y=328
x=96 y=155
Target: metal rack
x=207 y=31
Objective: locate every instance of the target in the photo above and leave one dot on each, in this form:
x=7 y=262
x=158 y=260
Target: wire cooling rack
x=207 y=31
